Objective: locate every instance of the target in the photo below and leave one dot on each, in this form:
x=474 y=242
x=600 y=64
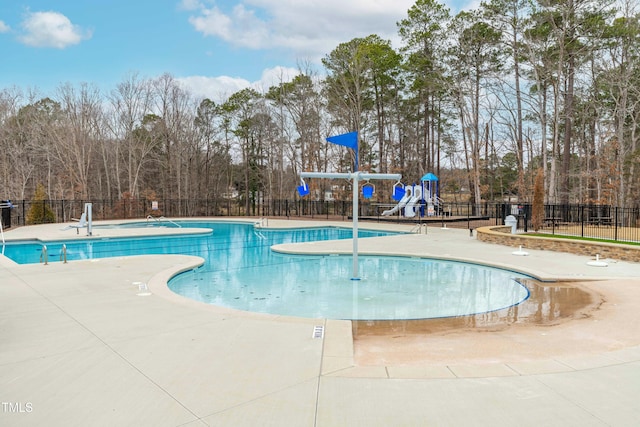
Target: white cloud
x=220 y=88
x=212 y=22
x=308 y=28
x=190 y=5
x=51 y=29
x=275 y=76
x=241 y=27
x=215 y=88
x=4 y=28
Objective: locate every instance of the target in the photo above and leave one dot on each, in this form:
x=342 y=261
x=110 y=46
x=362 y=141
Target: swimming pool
x=227 y=240
x=242 y=272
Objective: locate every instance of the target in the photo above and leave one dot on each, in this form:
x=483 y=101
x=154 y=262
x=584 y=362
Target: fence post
x=615 y=224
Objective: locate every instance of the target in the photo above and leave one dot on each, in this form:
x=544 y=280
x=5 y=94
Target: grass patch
x=583 y=239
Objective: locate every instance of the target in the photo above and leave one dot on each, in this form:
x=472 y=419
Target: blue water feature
x=242 y=272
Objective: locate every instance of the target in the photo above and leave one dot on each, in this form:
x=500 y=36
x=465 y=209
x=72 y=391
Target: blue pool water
x=242 y=272
x=225 y=242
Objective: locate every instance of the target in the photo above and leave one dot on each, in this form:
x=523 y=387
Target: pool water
x=242 y=272
x=390 y=287
x=227 y=239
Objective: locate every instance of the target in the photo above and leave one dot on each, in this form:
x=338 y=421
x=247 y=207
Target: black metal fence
x=25 y=212
x=594 y=221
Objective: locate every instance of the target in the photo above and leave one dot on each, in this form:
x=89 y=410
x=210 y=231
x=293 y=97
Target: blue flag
x=348 y=140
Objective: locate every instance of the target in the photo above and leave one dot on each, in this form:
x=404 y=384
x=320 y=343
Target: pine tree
x=40 y=212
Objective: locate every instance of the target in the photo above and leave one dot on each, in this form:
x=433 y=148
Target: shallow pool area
x=390 y=288
x=242 y=272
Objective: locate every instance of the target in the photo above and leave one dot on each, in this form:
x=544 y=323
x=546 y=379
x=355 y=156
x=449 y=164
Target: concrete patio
x=80 y=347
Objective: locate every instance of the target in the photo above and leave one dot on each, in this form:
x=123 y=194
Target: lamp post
x=355 y=177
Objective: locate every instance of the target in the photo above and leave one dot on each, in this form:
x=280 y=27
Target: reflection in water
x=548 y=303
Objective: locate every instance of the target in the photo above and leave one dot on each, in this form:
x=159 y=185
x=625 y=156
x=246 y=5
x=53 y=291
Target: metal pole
x=355 y=227
x=88 y=209
x=355 y=177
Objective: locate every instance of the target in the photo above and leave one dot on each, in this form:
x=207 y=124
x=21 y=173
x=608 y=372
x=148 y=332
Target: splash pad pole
x=355 y=177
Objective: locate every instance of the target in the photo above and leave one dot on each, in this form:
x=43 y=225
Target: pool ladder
x=44 y=255
x=160 y=218
x=63 y=254
x=258 y=225
x=417 y=229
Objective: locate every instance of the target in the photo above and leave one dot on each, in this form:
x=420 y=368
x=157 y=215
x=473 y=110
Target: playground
x=416 y=199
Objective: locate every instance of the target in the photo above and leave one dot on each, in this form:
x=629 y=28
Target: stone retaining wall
x=501 y=235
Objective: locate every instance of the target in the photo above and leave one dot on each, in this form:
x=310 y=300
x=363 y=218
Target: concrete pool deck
x=80 y=347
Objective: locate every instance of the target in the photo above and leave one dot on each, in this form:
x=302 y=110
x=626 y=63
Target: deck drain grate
x=318 y=331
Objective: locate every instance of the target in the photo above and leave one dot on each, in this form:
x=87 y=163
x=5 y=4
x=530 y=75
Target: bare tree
x=77 y=136
x=130 y=103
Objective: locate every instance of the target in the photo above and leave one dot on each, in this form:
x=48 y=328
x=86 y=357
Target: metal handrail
x=417 y=229
x=261 y=222
x=160 y=218
x=44 y=255
x=171 y=221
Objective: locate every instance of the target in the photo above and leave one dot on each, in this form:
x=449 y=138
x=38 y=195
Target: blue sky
x=214 y=47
